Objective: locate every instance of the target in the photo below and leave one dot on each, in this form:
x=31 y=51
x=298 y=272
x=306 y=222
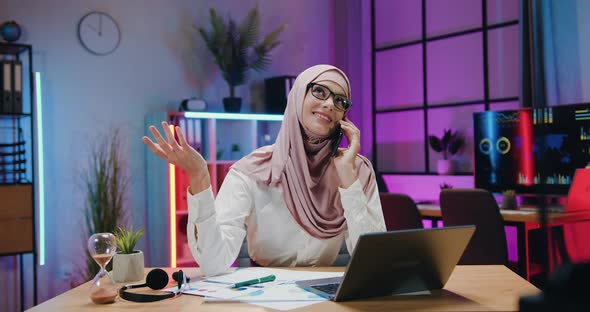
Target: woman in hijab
x=296 y=200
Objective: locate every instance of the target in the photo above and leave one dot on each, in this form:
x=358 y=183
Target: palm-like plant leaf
x=435 y=143
x=259 y=58
x=446 y=139
x=250 y=28
x=235 y=47
x=271 y=40
x=456 y=144
x=219 y=29
x=450 y=143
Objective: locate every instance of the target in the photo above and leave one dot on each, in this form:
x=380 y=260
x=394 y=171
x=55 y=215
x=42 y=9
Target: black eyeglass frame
x=334 y=95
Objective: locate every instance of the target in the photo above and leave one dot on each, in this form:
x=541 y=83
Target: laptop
x=578 y=197
x=396 y=262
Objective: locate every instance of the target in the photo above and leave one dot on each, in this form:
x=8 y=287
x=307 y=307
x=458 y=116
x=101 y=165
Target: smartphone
x=337 y=139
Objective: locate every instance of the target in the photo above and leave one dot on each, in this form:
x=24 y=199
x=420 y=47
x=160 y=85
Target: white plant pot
x=445 y=167
x=128 y=268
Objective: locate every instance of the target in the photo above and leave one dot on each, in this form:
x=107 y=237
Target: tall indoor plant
x=236 y=50
x=105 y=182
x=449 y=144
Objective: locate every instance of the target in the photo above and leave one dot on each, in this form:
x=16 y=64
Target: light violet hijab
x=300 y=164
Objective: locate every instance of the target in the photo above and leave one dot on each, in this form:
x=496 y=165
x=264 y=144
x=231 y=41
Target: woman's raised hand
x=180 y=154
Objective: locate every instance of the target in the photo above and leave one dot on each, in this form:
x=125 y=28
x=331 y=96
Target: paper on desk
x=244 y=274
x=274 y=298
x=282 y=294
x=240 y=275
x=216 y=290
x=221 y=286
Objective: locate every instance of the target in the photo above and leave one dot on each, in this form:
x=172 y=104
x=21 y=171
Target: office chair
x=343 y=256
x=243 y=259
x=478 y=207
x=400 y=212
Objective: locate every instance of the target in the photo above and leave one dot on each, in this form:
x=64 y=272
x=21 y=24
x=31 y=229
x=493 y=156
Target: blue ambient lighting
x=264 y=117
x=40 y=169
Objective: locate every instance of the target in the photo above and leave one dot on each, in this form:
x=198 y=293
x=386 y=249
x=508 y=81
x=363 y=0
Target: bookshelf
x=222 y=138
x=17 y=162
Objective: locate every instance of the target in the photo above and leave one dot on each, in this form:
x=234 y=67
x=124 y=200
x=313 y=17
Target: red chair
x=477 y=207
x=400 y=212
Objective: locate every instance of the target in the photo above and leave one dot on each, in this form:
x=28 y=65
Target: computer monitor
x=531 y=151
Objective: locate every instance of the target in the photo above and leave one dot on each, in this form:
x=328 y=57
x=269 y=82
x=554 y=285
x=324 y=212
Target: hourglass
x=102 y=247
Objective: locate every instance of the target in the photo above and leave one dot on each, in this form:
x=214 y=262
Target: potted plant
x=236 y=50
x=449 y=145
x=509 y=200
x=104 y=184
x=235 y=152
x=128 y=262
x=445 y=185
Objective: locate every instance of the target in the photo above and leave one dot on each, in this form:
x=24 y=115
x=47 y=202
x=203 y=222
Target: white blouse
x=244 y=207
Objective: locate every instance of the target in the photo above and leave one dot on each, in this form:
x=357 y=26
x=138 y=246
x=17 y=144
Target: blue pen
x=265 y=279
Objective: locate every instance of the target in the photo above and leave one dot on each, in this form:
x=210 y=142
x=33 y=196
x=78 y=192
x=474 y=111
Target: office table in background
x=470 y=288
x=524 y=221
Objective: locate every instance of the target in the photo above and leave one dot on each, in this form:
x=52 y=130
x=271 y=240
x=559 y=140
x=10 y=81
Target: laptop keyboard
x=327 y=288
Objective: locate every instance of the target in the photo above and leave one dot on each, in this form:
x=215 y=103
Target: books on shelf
x=11 y=87
x=192 y=132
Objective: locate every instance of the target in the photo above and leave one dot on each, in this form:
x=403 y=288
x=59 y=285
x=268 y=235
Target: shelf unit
x=17 y=160
x=215 y=136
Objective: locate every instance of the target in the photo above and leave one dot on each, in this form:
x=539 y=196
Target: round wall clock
x=99 y=33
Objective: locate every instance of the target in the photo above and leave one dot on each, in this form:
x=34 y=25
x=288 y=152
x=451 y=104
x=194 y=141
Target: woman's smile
x=322 y=117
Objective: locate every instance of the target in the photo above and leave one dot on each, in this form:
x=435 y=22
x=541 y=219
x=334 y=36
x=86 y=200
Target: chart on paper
x=281 y=294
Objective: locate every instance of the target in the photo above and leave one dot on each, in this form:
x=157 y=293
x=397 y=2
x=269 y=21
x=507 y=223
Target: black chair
x=400 y=212
x=478 y=207
x=243 y=260
x=343 y=256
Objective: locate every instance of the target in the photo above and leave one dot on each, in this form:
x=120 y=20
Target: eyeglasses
x=321 y=92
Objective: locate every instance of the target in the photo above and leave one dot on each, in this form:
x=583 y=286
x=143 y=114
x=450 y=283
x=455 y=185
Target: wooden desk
x=524 y=221
x=470 y=288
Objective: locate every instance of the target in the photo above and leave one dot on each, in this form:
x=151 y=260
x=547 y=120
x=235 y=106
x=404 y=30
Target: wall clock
x=99 y=33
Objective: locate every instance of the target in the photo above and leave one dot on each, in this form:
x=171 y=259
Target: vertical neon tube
x=527 y=158
x=40 y=166
x=491 y=132
x=172 y=191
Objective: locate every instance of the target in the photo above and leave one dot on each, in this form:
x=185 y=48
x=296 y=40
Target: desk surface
x=427 y=210
x=470 y=288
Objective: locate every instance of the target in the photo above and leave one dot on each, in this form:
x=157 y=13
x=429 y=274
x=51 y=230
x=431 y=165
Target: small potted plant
x=445 y=185
x=128 y=265
x=235 y=152
x=449 y=145
x=236 y=50
x=509 y=200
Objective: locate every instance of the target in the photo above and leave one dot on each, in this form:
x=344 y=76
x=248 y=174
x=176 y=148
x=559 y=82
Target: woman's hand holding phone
x=344 y=160
x=181 y=155
x=337 y=139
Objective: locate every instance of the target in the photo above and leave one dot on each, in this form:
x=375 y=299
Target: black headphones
x=156 y=279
